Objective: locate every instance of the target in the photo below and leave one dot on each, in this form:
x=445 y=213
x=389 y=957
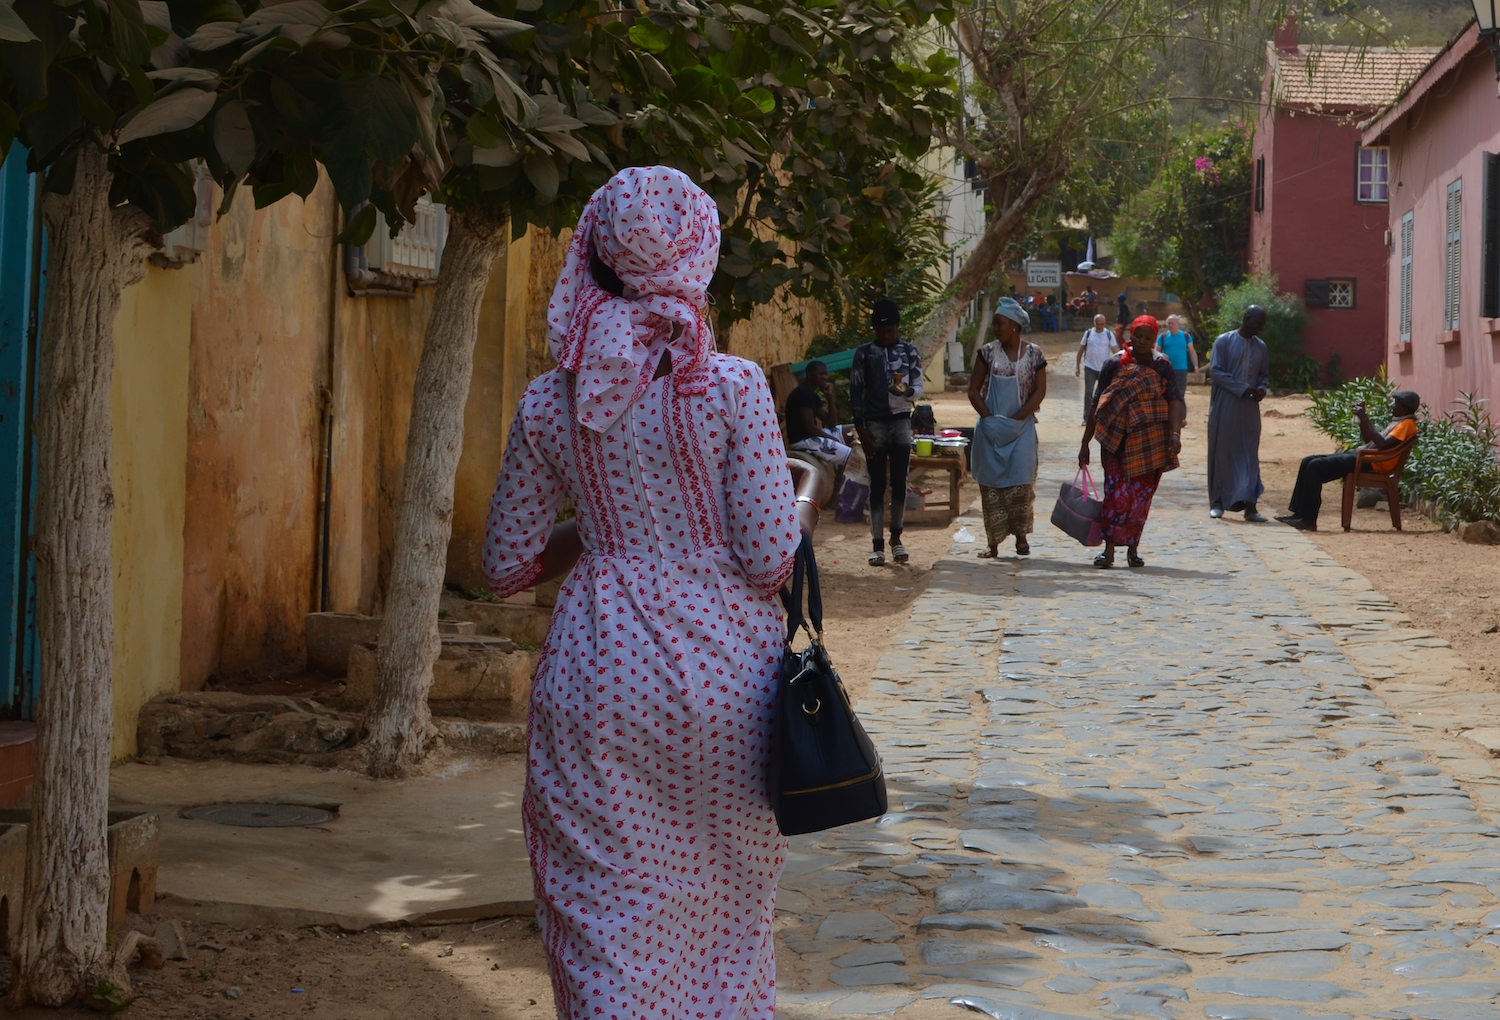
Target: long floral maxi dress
x=653 y=848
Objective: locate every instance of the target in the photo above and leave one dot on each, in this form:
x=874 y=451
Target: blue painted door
x=21 y=251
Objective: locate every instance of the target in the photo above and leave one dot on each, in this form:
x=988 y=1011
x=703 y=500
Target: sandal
x=1023 y=548
x=987 y=554
x=1102 y=563
x=1135 y=561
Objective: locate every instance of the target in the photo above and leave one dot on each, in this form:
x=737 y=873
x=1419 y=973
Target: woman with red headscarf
x=1137 y=415
x=654 y=852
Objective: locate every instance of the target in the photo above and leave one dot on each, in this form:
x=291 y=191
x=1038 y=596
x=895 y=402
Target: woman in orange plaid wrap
x=1137 y=415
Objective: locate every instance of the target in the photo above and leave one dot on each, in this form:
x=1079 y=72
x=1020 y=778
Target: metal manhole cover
x=259 y=816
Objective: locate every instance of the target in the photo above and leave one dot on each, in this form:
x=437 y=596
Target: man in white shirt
x=1095 y=349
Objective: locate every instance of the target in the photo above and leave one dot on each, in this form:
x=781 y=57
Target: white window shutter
x=417 y=251
x=1407 y=240
x=1452 y=269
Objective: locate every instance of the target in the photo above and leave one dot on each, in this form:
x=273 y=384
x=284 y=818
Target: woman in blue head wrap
x=1008 y=384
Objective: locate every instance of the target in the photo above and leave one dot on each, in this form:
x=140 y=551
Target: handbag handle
x=805 y=567
x=1089 y=488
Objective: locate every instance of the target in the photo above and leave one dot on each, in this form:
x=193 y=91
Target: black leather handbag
x=824 y=769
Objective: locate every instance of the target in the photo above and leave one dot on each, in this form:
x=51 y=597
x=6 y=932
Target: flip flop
x=987 y=554
x=1135 y=561
x=1102 y=563
x=1023 y=548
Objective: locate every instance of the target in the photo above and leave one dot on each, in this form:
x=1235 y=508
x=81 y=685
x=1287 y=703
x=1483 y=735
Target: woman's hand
x=1083 y=455
x=1175 y=445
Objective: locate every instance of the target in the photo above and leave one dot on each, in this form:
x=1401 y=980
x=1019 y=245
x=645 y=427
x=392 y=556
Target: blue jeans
x=890 y=446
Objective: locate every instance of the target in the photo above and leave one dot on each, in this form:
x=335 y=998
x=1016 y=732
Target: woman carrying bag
x=1007 y=386
x=654 y=849
x=1137 y=415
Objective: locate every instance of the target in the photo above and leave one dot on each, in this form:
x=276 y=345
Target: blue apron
x=1004 y=450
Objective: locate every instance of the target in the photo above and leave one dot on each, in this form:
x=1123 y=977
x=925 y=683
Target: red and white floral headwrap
x=659 y=232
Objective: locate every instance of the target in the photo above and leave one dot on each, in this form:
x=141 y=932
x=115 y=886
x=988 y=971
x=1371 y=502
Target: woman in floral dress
x=653 y=847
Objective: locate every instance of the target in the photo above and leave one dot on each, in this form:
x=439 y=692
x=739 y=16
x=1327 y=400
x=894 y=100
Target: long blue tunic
x=1238 y=366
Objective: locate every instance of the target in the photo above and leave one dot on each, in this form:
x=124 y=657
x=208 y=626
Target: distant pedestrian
x=1177 y=344
x=1240 y=370
x=1093 y=351
x=811 y=422
x=884 y=382
x=1137 y=415
x=1316 y=471
x=1008 y=384
x=1122 y=313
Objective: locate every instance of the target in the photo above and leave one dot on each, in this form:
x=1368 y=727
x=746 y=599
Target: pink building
x=1443 y=309
x=1318 y=217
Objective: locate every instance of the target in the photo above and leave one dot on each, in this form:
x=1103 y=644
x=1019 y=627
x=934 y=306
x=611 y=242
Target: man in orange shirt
x=1307 y=496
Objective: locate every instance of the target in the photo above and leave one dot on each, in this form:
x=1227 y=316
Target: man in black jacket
x=884 y=383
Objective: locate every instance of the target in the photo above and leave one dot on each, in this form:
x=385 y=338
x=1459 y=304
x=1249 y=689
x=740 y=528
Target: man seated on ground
x=810 y=424
x=1307 y=496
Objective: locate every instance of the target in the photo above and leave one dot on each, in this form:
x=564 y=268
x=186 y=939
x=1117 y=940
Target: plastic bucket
x=924 y=447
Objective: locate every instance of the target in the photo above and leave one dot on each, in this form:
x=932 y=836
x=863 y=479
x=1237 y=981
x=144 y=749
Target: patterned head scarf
x=1145 y=320
x=659 y=232
x=1012 y=310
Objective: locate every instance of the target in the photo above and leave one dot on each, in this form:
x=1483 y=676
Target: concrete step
x=468 y=669
x=331 y=635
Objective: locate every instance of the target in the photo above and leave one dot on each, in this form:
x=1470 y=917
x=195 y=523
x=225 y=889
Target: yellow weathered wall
x=258 y=360
x=266 y=360
x=376 y=348
x=148 y=457
x=546 y=260
x=777 y=332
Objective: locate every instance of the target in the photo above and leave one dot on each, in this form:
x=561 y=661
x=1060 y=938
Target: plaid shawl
x=1134 y=423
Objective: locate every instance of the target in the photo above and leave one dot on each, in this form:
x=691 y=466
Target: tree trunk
x=94 y=253
x=398 y=725
x=949 y=308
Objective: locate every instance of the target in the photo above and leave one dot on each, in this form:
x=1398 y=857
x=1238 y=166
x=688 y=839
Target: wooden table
x=941 y=515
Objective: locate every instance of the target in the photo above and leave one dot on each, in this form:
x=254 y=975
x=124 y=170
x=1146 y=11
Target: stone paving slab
x=1232 y=785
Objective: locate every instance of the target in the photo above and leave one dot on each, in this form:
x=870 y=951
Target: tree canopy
x=1190 y=228
x=1053 y=83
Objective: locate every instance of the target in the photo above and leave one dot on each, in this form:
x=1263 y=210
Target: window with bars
x=1332 y=293
x=1373 y=174
x=1453 y=256
x=1408 y=239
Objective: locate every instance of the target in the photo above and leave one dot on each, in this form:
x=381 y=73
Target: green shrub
x=1332 y=413
x=1454 y=460
x=1286 y=320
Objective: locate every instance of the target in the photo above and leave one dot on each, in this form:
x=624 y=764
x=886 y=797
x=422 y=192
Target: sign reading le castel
x=1044 y=274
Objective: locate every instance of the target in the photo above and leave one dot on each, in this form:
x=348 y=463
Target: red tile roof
x=1449 y=58
x=1343 y=78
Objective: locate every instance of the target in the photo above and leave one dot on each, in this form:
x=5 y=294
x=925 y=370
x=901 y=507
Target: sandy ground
x=454 y=972
x=1446 y=585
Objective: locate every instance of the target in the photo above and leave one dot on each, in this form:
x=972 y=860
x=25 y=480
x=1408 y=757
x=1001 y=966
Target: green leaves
x=12 y=28
x=175 y=111
x=542 y=172
x=650 y=37
x=234 y=137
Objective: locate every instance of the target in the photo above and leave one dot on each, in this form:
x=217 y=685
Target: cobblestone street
x=1230 y=785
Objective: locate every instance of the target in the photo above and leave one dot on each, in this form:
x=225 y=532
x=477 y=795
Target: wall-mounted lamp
x=1484 y=11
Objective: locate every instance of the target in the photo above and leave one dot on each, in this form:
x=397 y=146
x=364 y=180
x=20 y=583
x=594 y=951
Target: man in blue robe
x=1240 y=369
